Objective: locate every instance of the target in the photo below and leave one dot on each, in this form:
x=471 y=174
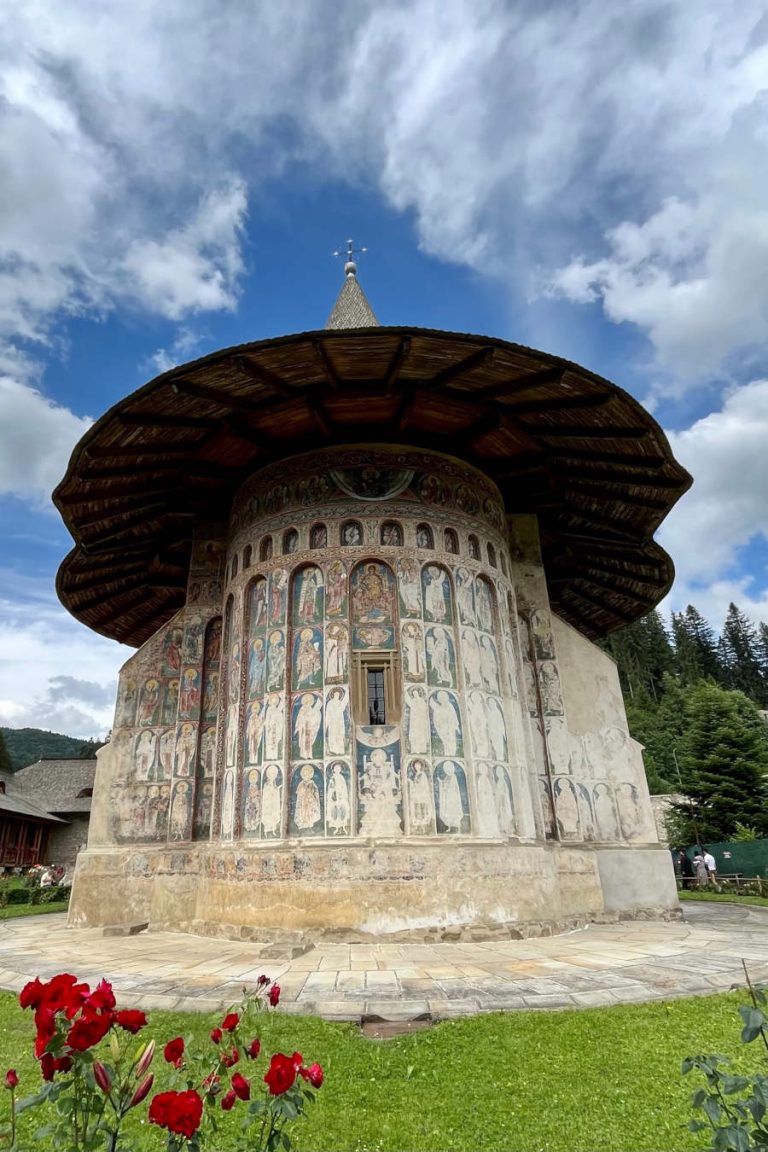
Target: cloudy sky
x=585 y=177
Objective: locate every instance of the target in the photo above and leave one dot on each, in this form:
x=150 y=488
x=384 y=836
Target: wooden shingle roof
x=558 y=440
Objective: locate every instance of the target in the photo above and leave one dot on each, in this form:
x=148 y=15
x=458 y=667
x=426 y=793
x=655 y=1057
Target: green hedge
x=52 y=895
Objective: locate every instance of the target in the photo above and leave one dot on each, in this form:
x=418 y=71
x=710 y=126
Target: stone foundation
x=358 y=891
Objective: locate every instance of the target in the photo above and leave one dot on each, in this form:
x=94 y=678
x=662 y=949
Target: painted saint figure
x=307 y=811
x=337 y=800
x=450 y=809
x=436 y=594
x=445 y=723
x=420 y=801
x=336 y=722
x=306 y=724
x=271 y=801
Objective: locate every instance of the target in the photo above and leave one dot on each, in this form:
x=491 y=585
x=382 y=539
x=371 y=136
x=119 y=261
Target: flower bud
x=228 y=1100
x=142 y=1090
x=114 y=1047
x=102 y=1077
x=11 y=1079
x=145 y=1059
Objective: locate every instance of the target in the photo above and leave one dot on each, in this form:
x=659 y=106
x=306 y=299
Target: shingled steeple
x=351 y=309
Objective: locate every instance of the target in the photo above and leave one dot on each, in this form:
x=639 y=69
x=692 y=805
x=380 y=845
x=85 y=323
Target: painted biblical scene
x=372 y=589
x=307 y=663
x=250 y=814
x=451 y=801
x=336 y=590
x=307 y=726
x=307 y=801
x=445 y=724
x=438 y=603
x=338 y=799
x=172 y=646
x=380 y=801
x=307 y=597
x=421 y=798
x=373 y=636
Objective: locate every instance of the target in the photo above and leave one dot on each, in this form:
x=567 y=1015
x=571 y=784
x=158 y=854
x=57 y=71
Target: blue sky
x=582 y=177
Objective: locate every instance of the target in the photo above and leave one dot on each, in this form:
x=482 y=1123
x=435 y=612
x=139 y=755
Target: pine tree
x=5 y=758
x=723 y=756
x=742 y=656
x=696 y=648
x=643 y=654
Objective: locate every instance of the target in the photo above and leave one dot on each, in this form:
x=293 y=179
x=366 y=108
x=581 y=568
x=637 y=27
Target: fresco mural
x=338 y=799
x=380 y=801
x=307 y=801
x=421 y=801
x=451 y=801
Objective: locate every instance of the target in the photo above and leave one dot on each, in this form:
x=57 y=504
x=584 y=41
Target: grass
x=725 y=897
x=603 y=1080
x=12 y=910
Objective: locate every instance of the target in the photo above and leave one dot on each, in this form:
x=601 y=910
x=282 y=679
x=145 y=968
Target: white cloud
x=54 y=674
x=726 y=507
x=36 y=439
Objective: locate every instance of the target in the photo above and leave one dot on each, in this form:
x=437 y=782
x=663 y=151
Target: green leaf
x=731 y=1139
x=712 y=1108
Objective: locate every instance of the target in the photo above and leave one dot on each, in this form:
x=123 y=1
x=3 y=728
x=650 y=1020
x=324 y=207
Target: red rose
x=229 y=1061
x=102 y=996
x=274 y=995
x=45 y=1023
x=253 y=1049
x=31 y=995
x=230 y=1021
x=64 y=994
x=297 y=1060
x=177 y=1111
x=281 y=1074
x=130 y=1020
x=228 y=1100
x=262 y=980
x=216 y=1035
x=50 y=1065
x=241 y=1087
x=88 y=1030
x=11 y=1078
x=174 y=1052
x=314 y=1074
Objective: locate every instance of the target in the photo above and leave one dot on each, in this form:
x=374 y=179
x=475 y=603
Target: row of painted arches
x=351 y=535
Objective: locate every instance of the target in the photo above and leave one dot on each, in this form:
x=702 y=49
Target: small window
x=503 y=563
x=351 y=533
x=318 y=537
x=424 y=537
x=451 y=541
x=377 y=699
x=491 y=555
x=265 y=548
x=2 y=787
x=290 y=541
x=376 y=687
x=84 y=793
x=391 y=533
x=247 y=553
x=234 y=567
x=474 y=548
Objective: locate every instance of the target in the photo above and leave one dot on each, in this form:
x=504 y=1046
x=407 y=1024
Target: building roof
x=55 y=785
x=26 y=807
x=558 y=440
x=351 y=309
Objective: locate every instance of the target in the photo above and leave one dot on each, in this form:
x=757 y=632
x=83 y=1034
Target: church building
x=364 y=569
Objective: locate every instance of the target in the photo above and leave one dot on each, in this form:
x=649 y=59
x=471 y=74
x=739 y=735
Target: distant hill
x=28 y=745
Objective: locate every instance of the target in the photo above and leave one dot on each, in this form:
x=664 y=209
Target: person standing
x=711 y=867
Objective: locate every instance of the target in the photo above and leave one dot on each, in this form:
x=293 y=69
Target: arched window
x=491 y=555
x=391 y=533
x=84 y=793
x=451 y=541
x=290 y=541
x=474 y=547
x=351 y=533
x=234 y=566
x=247 y=553
x=375 y=681
x=318 y=536
x=503 y=562
x=424 y=537
x=265 y=548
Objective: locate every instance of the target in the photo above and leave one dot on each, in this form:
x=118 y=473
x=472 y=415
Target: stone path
x=602 y=964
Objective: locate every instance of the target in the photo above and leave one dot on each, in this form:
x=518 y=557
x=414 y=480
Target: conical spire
x=351 y=309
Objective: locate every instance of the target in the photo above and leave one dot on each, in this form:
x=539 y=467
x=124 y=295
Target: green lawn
x=12 y=910
x=603 y=1080
x=726 y=897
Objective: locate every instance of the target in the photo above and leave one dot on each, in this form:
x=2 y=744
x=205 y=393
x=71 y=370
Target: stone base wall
x=388 y=891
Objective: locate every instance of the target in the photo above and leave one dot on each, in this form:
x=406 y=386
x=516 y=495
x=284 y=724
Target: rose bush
x=95 y=1069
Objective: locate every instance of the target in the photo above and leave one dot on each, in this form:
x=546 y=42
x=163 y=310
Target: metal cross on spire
x=350 y=267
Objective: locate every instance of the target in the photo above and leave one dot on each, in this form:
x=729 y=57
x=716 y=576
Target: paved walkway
x=602 y=964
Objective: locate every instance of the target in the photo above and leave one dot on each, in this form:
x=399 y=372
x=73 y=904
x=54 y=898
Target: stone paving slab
x=603 y=964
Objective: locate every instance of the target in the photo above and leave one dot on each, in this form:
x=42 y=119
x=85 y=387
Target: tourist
x=702 y=876
x=711 y=866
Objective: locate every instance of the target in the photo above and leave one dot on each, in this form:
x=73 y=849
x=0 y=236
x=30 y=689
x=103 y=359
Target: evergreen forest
x=22 y=746
x=694 y=701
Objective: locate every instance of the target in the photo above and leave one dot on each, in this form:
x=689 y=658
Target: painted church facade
x=366 y=718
